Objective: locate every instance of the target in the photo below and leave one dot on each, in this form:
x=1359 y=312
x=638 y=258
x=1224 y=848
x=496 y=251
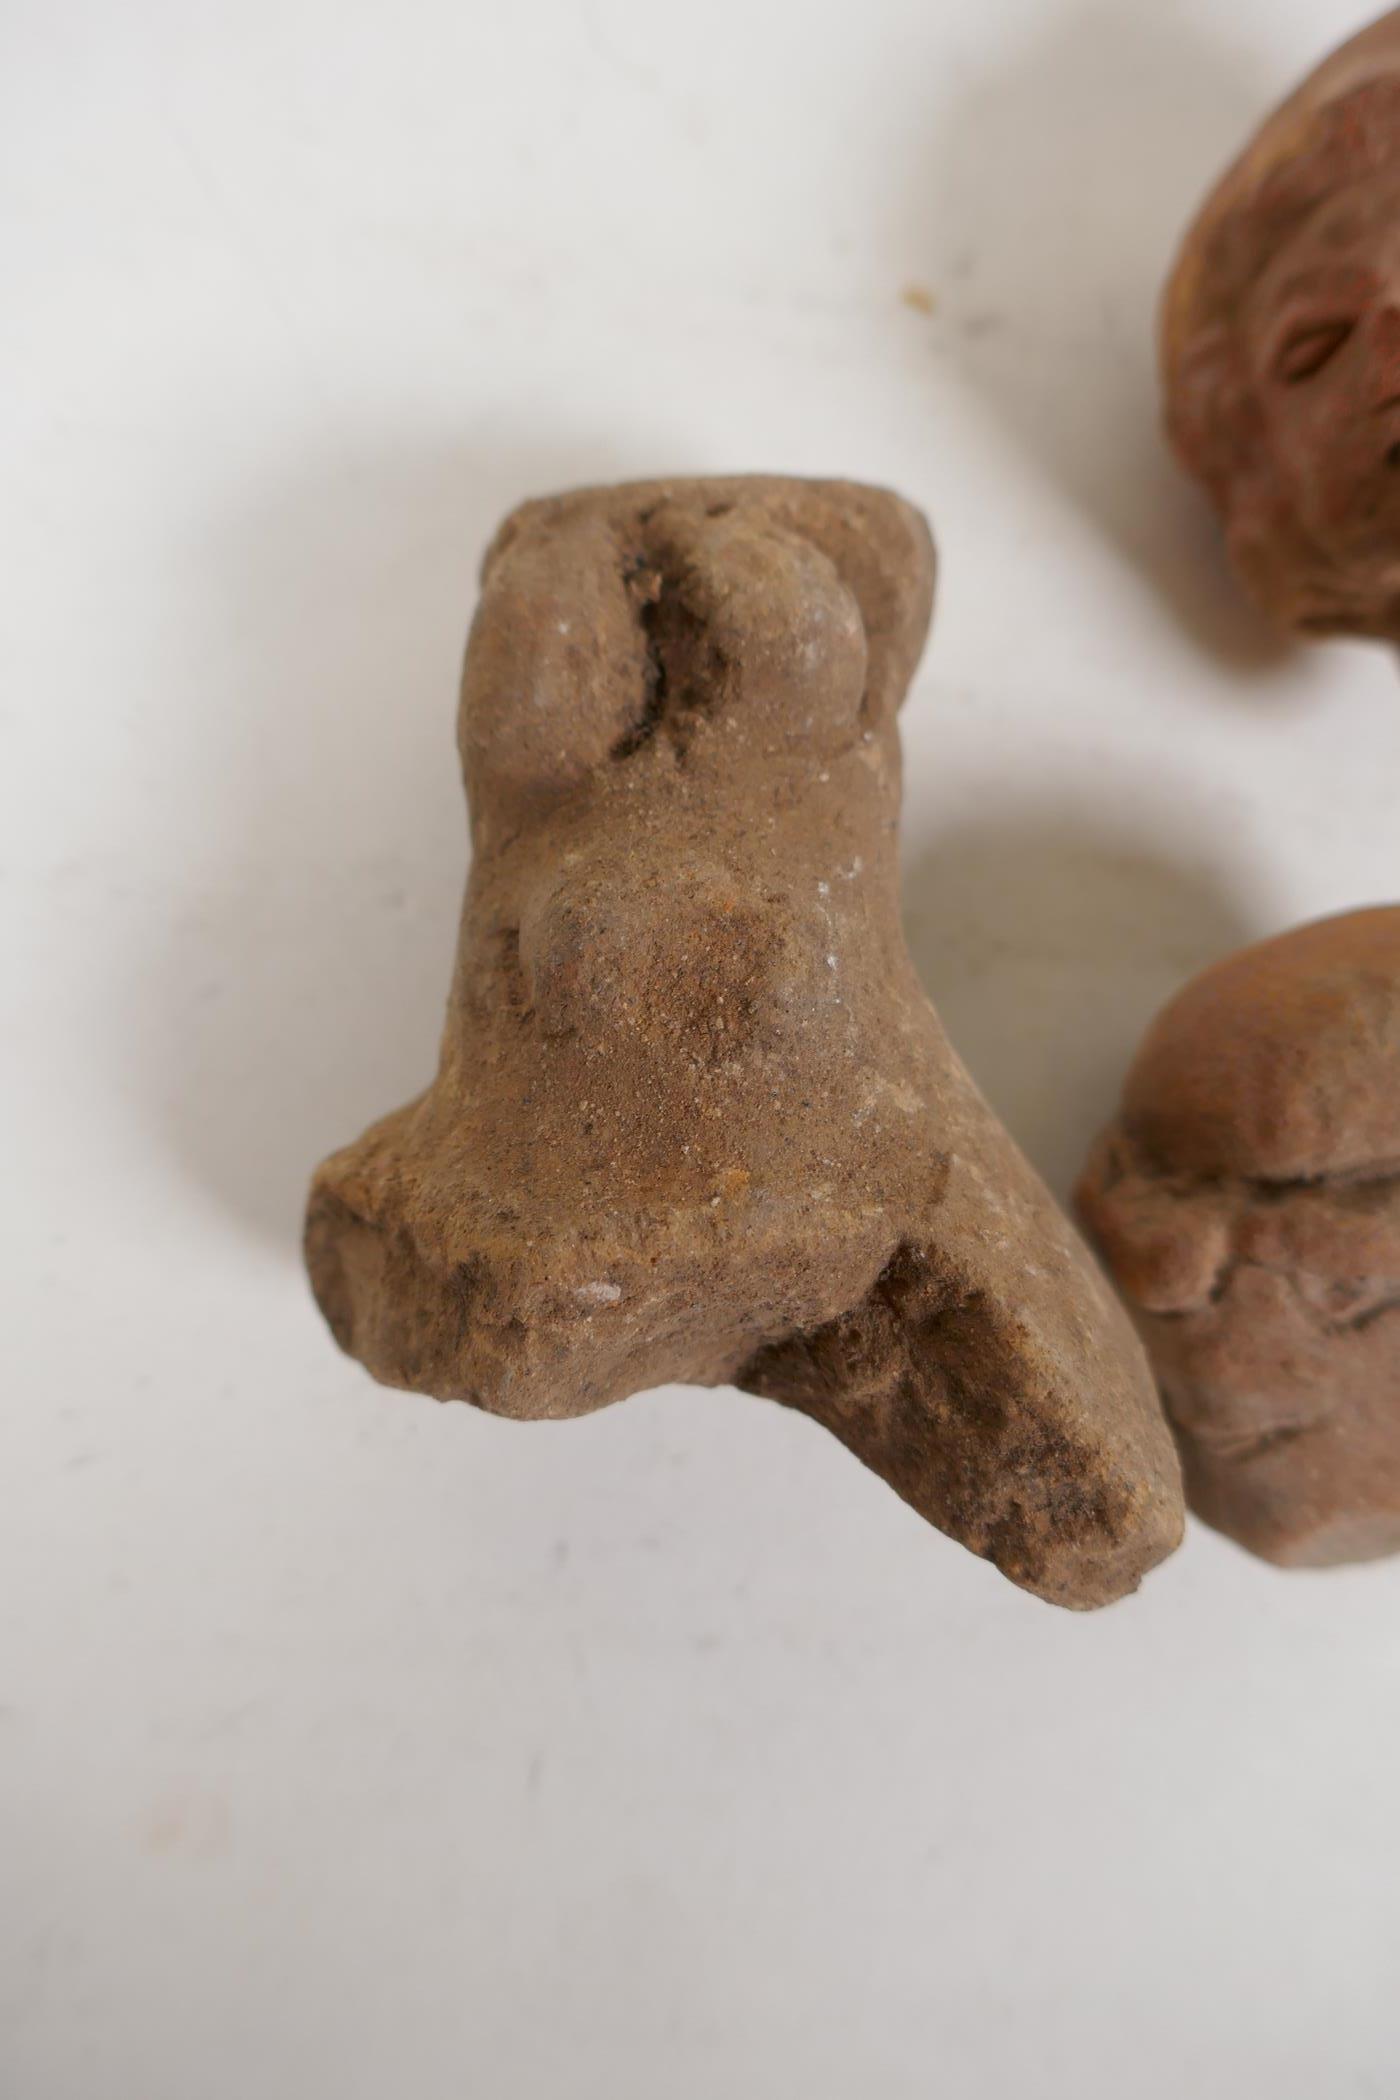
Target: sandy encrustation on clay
x=1280 y=347
x=694 y=1118
x=1247 y=1201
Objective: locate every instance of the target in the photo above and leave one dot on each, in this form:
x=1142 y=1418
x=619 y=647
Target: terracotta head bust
x=1280 y=341
x=1246 y=1199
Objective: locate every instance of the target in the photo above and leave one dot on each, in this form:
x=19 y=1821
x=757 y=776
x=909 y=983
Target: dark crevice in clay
x=1378 y=1178
x=1369 y=1314
x=682 y=670
x=654 y=672
x=512 y=974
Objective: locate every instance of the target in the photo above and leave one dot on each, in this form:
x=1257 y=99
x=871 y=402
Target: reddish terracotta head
x=1281 y=349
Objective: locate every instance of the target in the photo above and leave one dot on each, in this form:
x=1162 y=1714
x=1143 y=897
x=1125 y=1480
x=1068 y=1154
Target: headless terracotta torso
x=694 y=1118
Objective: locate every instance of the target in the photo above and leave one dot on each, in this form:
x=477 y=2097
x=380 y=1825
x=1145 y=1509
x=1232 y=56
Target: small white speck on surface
x=563 y=626
x=823 y=776
x=599 y=1293
x=823 y=889
x=831 y=962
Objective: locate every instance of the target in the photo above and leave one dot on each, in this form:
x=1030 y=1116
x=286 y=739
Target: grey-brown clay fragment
x=694 y=1119
x=1247 y=1201
x=1280 y=341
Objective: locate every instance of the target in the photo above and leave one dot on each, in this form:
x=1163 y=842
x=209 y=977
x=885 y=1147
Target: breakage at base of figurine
x=694 y=1118
x=1248 y=1203
x=1280 y=339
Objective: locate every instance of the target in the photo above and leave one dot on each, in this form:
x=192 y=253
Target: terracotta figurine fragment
x=694 y=1118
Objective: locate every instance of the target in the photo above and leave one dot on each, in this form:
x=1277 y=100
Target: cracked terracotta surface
x=1280 y=337
x=694 y=1118
x=1247 y=1201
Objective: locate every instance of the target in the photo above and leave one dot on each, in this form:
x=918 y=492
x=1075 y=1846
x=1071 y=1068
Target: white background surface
x=351 y=1747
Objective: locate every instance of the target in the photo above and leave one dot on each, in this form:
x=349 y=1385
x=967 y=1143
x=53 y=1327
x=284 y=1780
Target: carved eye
x=1308 y=349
